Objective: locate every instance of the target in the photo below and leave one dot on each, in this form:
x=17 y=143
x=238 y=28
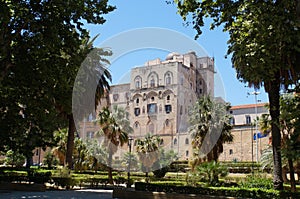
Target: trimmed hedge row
x=29 y=176
x=254 y=193
x=68 y=181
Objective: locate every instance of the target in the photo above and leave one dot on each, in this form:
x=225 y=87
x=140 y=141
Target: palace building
x=248 y=142
x=158 y=98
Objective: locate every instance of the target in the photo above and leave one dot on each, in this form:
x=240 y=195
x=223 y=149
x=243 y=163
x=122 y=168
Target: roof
x=244 y=106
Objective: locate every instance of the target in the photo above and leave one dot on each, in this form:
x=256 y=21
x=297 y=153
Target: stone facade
x=244 y=146
x=158 y=98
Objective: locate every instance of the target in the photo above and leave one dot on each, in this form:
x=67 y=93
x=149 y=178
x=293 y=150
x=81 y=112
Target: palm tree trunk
x=273 y=92
x=28 y=161
x=147 y=176
x=110 y=178
x=70 y=141
x=284 y=172
x=292 y=175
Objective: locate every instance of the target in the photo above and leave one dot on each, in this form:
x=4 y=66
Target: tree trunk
x=147 y=176
x=284 y=172
x=273 y=89
x=292 y=175
x=28 y=161
x=110 y=178
x=70 y=141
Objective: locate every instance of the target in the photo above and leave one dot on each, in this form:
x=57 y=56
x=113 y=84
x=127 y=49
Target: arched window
x=168 y=97
x=152 y=82
x=187 y=153
x=167 y=122
x=152 y=79
x=168 y=79
x=136 y=125
x=187 y=141
x=151 y=128
x=138 y=82
x=137 y=101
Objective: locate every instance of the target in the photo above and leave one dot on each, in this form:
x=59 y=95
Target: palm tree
x=92 y=64
x=148 y=151
x=210 y=129
x=97 y=154
x=289 y=119
x=81 y=155
x=265 y=53
x=113 y=127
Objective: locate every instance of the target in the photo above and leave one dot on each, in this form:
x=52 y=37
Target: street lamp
x=130 y=139
x=255 y=93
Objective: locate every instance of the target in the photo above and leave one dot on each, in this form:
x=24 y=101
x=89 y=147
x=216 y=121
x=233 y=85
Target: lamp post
x=130 y=139
x=255 y=93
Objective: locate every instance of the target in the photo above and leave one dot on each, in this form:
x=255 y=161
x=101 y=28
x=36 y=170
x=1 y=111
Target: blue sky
x=138 y=14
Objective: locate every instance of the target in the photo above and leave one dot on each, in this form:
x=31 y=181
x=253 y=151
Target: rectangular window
x=232 y=121
x=248 y=119
x=168 y=108
x=137 y=111
x=151 y=108
x=90 y=134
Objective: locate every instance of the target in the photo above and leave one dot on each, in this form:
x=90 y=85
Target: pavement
x=59 y=194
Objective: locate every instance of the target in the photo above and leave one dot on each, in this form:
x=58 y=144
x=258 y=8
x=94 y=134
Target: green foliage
x=192 y=179
x=115 y=128
x=254 y=193
x=50 y=160
x=39 y=177
x=211 y=171
x=179 y=166
x=148 y=151
x=14 y=158
x=64 y=172
x=41 y=52
x=257 y=181
x=209 y=124
x=264 y=52
x=80 y=155
x=130 y=158
x=163 y=163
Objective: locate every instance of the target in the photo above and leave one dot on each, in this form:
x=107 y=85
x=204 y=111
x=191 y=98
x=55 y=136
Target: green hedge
x=254 y=193
x=36 y=176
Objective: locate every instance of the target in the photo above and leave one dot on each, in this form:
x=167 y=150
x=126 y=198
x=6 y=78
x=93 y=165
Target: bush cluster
x=36 y=176
x=254 y=193
x=257 y=181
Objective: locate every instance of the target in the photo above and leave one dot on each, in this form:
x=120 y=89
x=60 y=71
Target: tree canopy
x=264 y=41
x=40 y=55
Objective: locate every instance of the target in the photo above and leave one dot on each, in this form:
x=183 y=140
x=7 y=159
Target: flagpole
x=255 y=93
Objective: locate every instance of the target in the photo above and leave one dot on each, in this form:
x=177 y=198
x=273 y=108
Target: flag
x=259 y=135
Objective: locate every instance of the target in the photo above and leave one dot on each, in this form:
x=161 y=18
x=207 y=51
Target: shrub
x=257 y=181
x=119 y=180
x=211 y=171
x=50 y=160
x=254 y=193
x=64 y=182
x=160 y=173
x=39 y=177
x=14 y=158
